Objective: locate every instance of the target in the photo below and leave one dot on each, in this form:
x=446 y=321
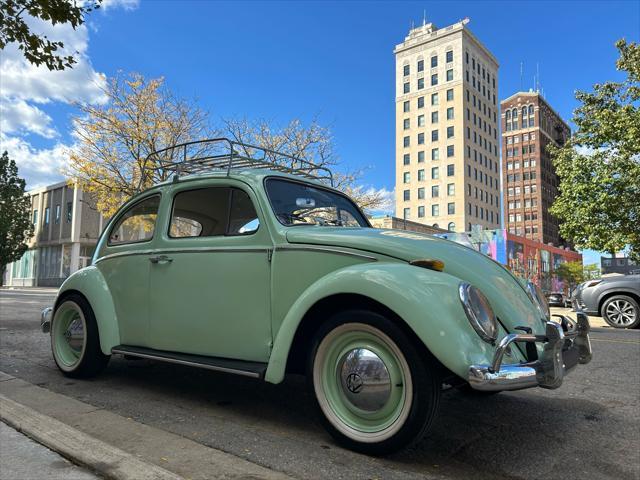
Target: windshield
x=303 y=204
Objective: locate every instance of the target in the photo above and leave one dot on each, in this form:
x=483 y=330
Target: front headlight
x=479 y=312
x=539 y=300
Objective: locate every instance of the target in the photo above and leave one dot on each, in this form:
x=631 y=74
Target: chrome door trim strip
x=177 y=361
x=184 y=250
x=315 y=248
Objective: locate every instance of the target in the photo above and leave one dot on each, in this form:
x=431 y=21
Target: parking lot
x=589 y=428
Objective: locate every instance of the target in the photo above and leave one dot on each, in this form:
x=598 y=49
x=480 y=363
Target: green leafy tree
x=15 y=214
x=38 y=49
x=571 y=273
x=599 y=167
x=591 y=271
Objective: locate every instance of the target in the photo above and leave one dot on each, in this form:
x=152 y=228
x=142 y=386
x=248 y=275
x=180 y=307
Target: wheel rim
x=621 y=312
x=363 y=382
x=68 y=335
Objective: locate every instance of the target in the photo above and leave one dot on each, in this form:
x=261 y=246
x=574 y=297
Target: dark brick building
x=530 y=183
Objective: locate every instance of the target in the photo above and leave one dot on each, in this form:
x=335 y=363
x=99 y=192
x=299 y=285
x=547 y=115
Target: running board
x=237 y=367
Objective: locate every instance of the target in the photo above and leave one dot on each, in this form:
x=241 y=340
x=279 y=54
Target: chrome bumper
x=566 y=343
x=45 y=319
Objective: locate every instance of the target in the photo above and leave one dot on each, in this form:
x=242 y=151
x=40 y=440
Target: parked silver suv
x=616 y=299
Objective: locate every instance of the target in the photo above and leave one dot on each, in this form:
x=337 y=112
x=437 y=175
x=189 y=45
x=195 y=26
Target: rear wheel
x=75 y=339
x=621 y=311
x=376 y=391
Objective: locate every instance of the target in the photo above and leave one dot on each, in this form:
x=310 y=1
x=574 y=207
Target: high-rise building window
x=450 y=132
x=421 y=120
x=435 y=191
x=451 y=227
x=406 y=159
x=421 y=139
x=420 y=83
x=421 y=175
x=35 y=216
x=434 y=117
x=449 y=55
x=421 y=156
x=406 y=70
x=420 y=102
x=57 y=214
x=450 y=95
x=449 y=75
x=46 y=216
x=420 y=65
x=434 y=99
x=406 y=124
x=435 y=173
x=450 y=151
x=451 y=189
x=407 y=177
x=421 y=193
x=466 y=57
x=435 y=210
x=407 y=195
x=450 y=113
x=69 y=211
x=421 y=211
x=434 y=61
x=406 y=213
x=434 y=79
x=450 y=170
x=434 y=135
x=435 y=154
x=405 y=106
x=406 y=87
x=406 y=142
x=451 y=208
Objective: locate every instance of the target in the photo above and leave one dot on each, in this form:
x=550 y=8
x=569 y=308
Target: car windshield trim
x=363 y=221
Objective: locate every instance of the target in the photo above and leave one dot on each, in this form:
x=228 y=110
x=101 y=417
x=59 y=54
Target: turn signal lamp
x=431 y=264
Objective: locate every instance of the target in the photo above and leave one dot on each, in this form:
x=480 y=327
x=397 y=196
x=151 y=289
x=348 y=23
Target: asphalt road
x=587 y=429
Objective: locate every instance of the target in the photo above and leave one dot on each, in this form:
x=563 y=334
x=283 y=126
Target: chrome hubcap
x=74 y=335
x=621 y=312
x=364 y=379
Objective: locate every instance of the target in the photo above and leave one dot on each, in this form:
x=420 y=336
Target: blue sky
x=284 y=60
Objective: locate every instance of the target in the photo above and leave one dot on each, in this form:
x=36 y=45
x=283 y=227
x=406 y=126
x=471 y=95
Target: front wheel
x=376 y=391
x=621 y=311
x=75 y=339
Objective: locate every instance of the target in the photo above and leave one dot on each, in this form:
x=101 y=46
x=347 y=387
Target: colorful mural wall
x=526 y=258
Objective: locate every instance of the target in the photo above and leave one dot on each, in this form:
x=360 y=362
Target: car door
x=210 y=276
x=123 y=261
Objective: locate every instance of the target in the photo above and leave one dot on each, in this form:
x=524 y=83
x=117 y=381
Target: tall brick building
x=530 y=183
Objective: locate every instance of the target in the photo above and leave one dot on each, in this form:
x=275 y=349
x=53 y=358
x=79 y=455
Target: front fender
x=426 y=300
x=90 y=283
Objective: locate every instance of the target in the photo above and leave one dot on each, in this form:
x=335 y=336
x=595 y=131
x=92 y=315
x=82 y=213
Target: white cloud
x=38 y=167
x=19 y=117
x=124 y=4
x=27 y=91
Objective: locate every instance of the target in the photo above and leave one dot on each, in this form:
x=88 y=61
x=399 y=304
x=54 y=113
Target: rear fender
x=90 y=283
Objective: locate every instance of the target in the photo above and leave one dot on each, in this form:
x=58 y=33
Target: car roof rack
x=224 y=154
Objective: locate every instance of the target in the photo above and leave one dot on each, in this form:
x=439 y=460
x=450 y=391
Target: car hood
x=506 y=294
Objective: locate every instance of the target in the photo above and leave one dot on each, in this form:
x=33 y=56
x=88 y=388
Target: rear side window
x=211 y=212
x=137 y=224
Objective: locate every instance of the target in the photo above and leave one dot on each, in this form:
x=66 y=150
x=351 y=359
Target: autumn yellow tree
x=110 y=160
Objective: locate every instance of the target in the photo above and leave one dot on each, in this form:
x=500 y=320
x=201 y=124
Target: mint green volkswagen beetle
x=238 y=264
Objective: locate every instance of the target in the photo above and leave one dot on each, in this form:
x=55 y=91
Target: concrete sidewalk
x=23 y=459
x=88 y=435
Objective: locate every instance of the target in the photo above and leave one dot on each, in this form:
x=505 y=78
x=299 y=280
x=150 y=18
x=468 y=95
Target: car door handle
x=160 y=259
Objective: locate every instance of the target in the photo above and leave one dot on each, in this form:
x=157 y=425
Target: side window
x=210 y=212
x=137 y=224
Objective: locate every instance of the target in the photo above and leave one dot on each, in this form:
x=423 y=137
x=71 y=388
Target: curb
x=82 y=449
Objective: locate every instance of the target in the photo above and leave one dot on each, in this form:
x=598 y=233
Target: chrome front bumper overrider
x=45 y=319
x=566 y=343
